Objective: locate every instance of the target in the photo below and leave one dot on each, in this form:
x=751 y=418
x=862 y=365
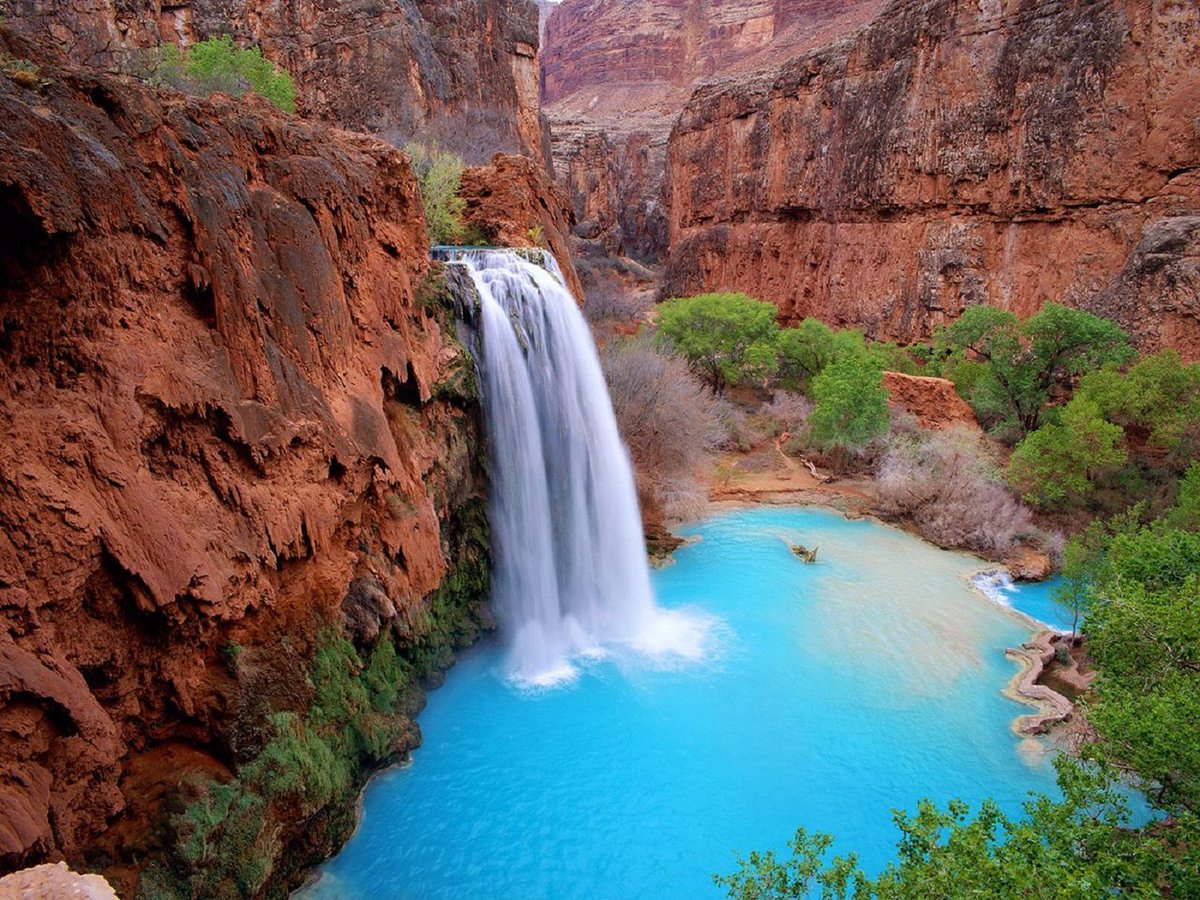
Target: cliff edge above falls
x=955 y=153
x=241 y=507
x=616 y=73
x=462 y=74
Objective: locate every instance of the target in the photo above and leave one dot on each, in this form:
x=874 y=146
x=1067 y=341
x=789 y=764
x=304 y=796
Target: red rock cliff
x=616 y=73
x=956 y=153
x=463 y=73
x=230 y=417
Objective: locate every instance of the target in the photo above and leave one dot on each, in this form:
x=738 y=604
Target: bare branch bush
x=670 y=421
x=946 y=487
x=787 y=413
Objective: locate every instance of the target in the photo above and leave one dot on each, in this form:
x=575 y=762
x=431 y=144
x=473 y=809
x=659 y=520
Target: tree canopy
x=851 y=402
x=727 y=338
x=1023 y=362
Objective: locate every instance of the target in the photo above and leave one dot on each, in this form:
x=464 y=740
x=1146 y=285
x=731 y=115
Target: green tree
x=1025 y=361
x=218 y=64
x=851 y=403
x=803 y=352
x=1159 y=396
x=1060 y=461
x=1142 y=584
x=1186 y=513
x=440 y=173
x=727 y=338
x=1077 y=848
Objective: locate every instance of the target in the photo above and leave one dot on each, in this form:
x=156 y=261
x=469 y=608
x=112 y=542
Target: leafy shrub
x=1060 y=461
x=218 y=64
x=945 y=486
x=1124 y=438
x=727 y=338
x=1022 y=363
x=669 y=420
x=851 y=403
x=440 y=175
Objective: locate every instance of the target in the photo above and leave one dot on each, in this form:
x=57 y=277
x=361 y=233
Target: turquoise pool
x=829 y=694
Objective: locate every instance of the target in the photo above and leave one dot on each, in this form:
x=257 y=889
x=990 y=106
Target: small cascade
x=995 y=584
x=571 y=578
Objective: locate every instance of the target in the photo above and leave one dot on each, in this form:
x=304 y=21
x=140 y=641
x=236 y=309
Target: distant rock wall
x=616 y=73
x=956 y=152
x=463 y=74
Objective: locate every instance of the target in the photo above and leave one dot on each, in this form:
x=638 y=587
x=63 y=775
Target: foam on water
x=1034 y=601
x=825 y=696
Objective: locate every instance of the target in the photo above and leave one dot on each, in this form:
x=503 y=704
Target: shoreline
x=1032 y=657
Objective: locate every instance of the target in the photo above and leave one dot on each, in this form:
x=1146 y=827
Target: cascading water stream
x=571 y=576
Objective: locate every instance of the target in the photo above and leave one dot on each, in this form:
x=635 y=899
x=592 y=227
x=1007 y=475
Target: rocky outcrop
x=514 y=203
x=616 y=73
x=54 y=882
x=954 y=153
x=462 y=74
x=1027 y=686
x=933 y=402
x=237 y=437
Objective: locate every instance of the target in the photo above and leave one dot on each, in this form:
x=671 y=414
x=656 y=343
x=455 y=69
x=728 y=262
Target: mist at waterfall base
x=570 y=576
x=832 y=694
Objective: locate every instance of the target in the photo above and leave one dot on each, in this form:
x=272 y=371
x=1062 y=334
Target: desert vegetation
x=219 y=65
x=439 y=173
x=670 y=421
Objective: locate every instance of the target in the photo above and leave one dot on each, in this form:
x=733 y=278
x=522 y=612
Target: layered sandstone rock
x=955 y=153
x=230 y=418
x=933 y=402
x=616 y=73
x=463 y=74
x=513 y=202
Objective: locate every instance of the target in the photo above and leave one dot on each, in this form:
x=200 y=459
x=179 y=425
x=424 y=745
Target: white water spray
x=571 y=576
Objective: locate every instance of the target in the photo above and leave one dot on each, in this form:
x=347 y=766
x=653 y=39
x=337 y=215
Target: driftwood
x=813 y=470
x=809 y=556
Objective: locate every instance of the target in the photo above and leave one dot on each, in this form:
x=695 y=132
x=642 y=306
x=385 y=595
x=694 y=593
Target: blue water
x=1037 y=601
x=832 y=693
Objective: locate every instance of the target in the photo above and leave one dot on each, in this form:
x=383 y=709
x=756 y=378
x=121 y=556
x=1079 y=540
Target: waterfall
x=571 y=578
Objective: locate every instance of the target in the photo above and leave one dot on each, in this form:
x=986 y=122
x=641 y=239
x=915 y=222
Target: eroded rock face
x=956 y=153
x=230 y=417
x=933 y=402
x=515 y=203
x=616 y=73
x=462 y=74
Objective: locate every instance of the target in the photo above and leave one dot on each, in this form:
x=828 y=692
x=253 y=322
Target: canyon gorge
x=240 y=434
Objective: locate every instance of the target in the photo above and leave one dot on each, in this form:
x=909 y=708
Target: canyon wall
x=241 y=500
x=952 y=153
x=461 y=74
x=616 y=73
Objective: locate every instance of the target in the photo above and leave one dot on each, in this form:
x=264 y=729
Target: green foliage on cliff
x=440 y=175
x=1058 y=463
x=727 y=338
x=223 y=839
x=1127 y=436
x=1021 y=364
x=218 y=64
x=851 y=403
